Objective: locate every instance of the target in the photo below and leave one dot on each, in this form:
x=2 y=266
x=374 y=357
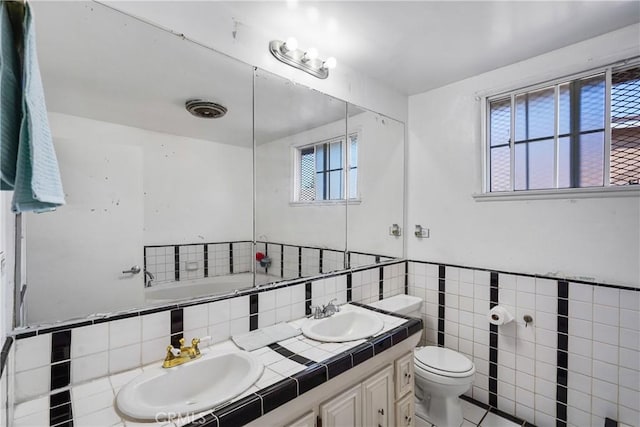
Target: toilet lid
x=442 y=359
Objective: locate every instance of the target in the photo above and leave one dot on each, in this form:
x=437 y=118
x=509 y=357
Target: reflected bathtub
x=195 y=288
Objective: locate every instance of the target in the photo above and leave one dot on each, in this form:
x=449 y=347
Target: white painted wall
x=213 y=25
x=598 y=238
x=127 y=187
x=380 y=186
x=380 y=181
x=277 y=219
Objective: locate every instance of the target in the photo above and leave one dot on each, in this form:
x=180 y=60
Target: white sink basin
x=343 y=326
x=190 y=388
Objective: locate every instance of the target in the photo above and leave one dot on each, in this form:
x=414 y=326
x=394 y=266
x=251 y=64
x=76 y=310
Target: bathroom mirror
x=149 y=187
x=164 y=206
x=301 y=170
x=376 y=187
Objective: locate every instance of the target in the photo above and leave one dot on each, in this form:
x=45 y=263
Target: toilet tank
x=406 y=305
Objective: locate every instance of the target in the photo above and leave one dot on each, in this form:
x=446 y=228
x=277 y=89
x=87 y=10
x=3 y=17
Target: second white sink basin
x=189 y=388
x=343 y=326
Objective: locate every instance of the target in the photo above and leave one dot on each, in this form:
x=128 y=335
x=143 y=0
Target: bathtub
x=194 y=288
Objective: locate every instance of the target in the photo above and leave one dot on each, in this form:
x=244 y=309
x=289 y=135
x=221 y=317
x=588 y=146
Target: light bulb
x=329 y=63
x=312 y=53
x=291 y=44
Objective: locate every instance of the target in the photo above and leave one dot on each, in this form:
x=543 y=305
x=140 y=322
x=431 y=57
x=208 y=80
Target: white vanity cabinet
x=384 y=399
x=404 y=375
x=369 y=403
x=344 y=409
x=307 y=420
x=378 y=397
x=405 y=411
x=377 y=392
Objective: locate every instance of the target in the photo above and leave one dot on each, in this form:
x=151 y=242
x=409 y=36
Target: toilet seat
x=443 y=361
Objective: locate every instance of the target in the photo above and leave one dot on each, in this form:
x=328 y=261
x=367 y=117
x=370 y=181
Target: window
x=325 y=168
x=581 y=132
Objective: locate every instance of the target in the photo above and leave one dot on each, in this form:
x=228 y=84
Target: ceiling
x=420 y=45
x=99 y=63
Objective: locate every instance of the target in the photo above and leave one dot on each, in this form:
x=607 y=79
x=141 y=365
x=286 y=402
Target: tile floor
x=475 y=416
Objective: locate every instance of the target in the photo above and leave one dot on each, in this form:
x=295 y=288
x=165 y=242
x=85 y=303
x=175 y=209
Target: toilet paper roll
x=499 y=315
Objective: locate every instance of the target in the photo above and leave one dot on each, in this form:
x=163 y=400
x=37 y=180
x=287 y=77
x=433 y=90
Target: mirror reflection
x=302 y=166
x=159 y=202
x=376 y=186
x=166 y=203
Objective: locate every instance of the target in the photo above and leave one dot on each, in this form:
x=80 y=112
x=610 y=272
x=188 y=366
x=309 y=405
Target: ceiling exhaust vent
x=205 y=109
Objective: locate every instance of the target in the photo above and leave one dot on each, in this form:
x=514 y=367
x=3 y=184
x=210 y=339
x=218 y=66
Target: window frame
x=571 y=192
x=296 y=156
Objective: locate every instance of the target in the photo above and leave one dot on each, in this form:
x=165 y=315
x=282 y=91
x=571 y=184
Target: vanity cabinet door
x=344 y=410
x=377 y=399
x=404 y=375
x=405 y=411
x=308 y=420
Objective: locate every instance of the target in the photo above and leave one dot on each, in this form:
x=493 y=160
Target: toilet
x=441 y=374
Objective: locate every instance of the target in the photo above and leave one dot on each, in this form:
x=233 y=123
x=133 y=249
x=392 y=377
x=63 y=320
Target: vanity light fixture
x=307 y=61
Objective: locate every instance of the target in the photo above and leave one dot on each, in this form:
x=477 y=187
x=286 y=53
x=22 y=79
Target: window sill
x=566 y=193
x=325 y=203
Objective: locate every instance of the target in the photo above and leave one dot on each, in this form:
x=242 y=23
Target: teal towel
x=10 y=108
x=38 y=186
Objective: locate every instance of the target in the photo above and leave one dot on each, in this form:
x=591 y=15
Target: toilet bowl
x=441 y=376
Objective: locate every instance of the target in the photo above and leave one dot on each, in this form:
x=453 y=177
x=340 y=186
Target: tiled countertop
x=292 y=367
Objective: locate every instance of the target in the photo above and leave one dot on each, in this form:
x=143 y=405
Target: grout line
x=483 y=417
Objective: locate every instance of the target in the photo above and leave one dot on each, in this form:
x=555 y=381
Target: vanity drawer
x=405 y=411
x=404 y=375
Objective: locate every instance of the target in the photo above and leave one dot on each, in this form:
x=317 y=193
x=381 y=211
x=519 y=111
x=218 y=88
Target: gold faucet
x=186 y=354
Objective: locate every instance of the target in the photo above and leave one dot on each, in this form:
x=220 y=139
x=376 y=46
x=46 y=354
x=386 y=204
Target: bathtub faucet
x=147 y=283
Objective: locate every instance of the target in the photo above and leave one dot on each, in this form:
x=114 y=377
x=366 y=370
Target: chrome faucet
x=147 y=283
x=326 y=310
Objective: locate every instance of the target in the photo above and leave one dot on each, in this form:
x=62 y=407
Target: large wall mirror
x=147 y=184
x=164 y=206
x=375 y=220
x=301 y=168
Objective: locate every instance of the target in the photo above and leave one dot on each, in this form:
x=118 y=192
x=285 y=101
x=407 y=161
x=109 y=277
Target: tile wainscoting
x=577 y=363
x=54 y=357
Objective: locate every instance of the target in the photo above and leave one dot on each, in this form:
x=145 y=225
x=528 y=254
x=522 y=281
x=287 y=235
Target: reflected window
x=327 y=170
x=581 y=132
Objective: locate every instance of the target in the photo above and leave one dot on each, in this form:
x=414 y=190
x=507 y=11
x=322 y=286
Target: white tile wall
x=291 y=262
x=32 y=383
x=218 y=259
x=191 y=262
x=111 y=347
x=275 y=255
x=311 y=262
x=604 y=343
x=89 y=340
x=33 y=353
x=124 y=332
